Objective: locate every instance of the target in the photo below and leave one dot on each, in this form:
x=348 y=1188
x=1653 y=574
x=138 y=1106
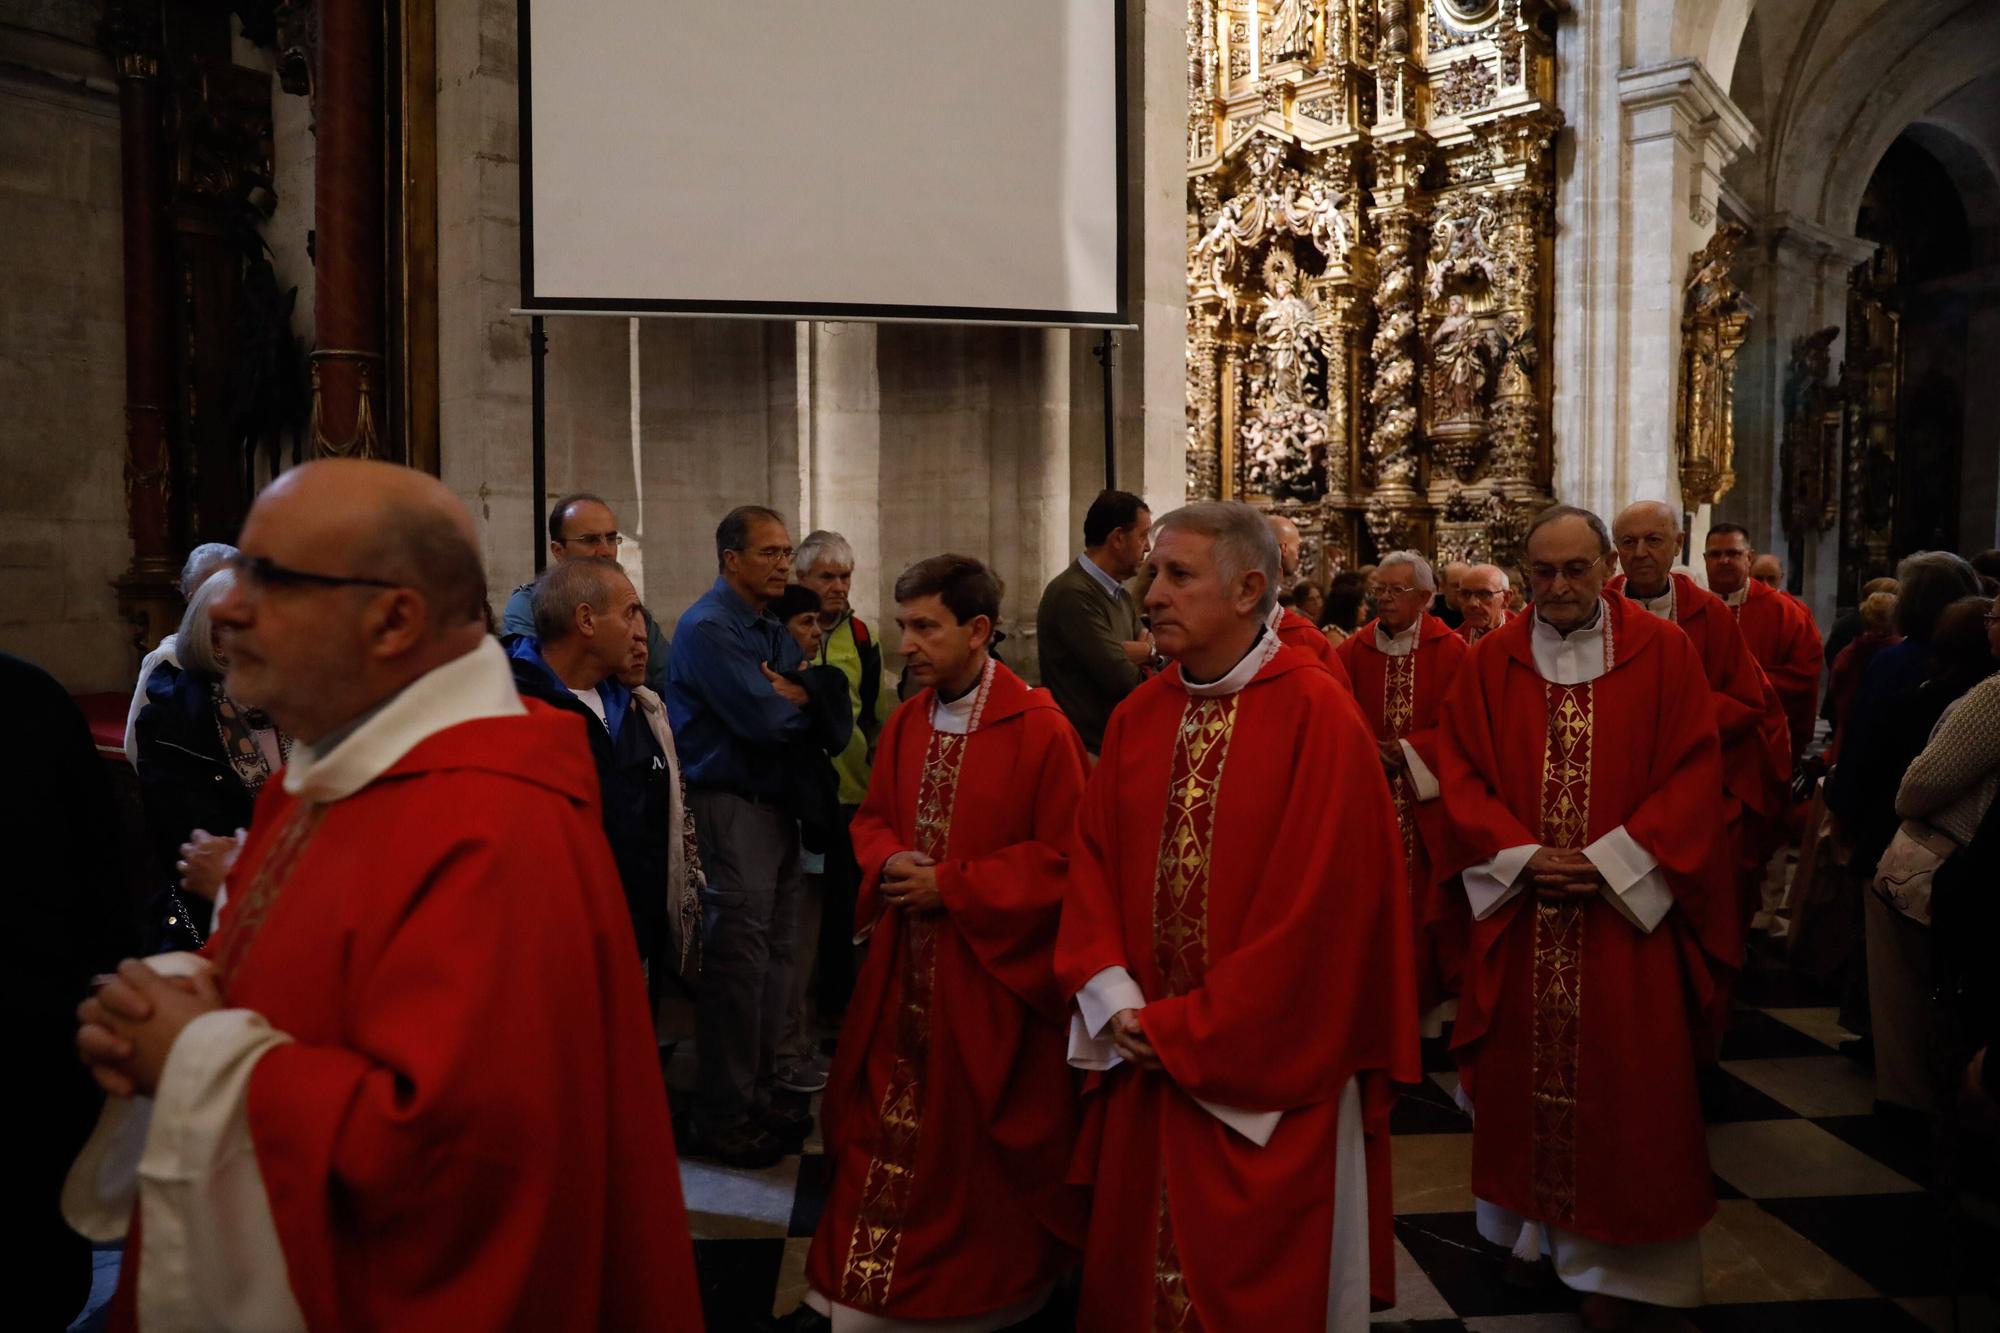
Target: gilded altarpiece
x=1871 y=390
x=1369 y=208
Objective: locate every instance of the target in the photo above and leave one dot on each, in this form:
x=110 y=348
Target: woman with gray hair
x=202 y=759
x=202 y=561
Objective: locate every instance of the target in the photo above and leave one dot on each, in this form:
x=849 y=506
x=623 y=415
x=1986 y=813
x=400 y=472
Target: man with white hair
x=1293 y=629
x=1582 y=782
x=1403 y=663
x=1482 y=600
x=1749 y=716
x=825 y=563
x=202 y=561
x=1241 y=983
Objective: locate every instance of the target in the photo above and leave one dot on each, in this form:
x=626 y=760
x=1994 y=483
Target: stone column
x=147 y=595
x=1797 y=283
x=1634 y=206
x=349 y=385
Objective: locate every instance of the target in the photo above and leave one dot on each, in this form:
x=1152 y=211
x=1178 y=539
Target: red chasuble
x=1237 y=855
x=1577 y=1033
x=950 y=1112
x=1401 y=698
x=1786 y=643
x=1295 y=631
x=1750 y=720
x=469 y=1128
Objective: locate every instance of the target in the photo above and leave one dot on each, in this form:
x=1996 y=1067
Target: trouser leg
x=738 y=907
x=774 y=1010
x=798 y=1039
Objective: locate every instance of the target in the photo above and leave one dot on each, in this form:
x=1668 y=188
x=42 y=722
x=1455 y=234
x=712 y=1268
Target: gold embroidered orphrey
x=251 y=909
x=1558 y=955
x=1180 y=930
x=885 y=1190
x=1399 y=709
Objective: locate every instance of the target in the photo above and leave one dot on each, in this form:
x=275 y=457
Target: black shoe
x=743 y=1144
x=805 y=1319
x=788 y=1125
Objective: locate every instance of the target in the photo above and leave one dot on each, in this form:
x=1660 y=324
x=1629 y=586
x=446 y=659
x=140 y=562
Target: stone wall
x=62 y=357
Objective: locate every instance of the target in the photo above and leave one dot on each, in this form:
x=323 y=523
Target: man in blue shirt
x=734 y=718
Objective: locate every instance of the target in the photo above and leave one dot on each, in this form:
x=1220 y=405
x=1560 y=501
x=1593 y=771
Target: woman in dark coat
x=202 y=761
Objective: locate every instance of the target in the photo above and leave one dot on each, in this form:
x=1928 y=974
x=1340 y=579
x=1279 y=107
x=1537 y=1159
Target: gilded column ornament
x=1714 y=323
x=1871 y=382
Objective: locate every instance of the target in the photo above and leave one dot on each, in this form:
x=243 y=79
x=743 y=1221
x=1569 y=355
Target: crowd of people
x=1125 y=969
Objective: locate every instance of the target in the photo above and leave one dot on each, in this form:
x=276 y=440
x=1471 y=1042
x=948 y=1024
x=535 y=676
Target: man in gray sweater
x=1093 y=649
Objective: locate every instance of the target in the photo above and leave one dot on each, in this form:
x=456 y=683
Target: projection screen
x=955 y=160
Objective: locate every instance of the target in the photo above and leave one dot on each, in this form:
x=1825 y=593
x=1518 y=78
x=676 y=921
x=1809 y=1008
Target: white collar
x=479 y=684
x=961 y=716
x=1737 y=598
x=1238 y=676
x=1575 y=660
x=1661 y=606
x=1398 y=645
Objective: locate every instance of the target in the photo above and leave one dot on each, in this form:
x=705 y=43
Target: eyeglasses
x=1727 y=553
x=260 y=572
x=1478 y=594
x=1377 y=591
x=775 y=553
x=1571 y=571
x=611 y=539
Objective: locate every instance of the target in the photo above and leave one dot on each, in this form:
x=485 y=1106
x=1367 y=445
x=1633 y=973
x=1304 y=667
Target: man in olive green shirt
x=1092 y=647
x=825 y=563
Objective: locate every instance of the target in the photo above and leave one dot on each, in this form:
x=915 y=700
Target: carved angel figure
x=1321 y=214
x=1216 y=250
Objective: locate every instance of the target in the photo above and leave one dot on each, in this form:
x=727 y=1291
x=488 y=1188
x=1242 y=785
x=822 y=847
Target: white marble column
x=1636 y=197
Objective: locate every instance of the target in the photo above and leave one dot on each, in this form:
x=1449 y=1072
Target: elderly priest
x=1237 y=946
x=1582 y=776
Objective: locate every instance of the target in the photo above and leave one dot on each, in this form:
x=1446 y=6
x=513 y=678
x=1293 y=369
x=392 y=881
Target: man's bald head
x=1482 y=596
x=388 y=522
x=1768 y=570
x=392 y=589
x=1647 y=535
x=1290 y=544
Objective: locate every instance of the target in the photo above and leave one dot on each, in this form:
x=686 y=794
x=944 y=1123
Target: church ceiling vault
x=1368 y=216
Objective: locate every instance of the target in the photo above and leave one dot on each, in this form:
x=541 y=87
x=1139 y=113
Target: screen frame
x=538 y=303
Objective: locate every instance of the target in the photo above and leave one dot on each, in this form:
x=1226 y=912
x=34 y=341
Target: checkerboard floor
x=1829 y=1218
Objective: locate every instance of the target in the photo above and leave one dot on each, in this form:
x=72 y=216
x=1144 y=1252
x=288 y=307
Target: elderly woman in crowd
x=202 y=759
x=202 y=561
x=1877 y=622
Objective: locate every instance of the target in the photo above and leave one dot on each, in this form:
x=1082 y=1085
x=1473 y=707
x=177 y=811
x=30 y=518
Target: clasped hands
x=129 y=1027
x=1557 y=873
x=909 y=881
x=1130 y=1038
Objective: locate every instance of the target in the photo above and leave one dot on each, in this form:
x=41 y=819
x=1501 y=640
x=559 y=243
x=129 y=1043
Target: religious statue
x=1289 y=33
x=1322 y=215
x=1461 y=353
x=1288 y=332
x=1517 y=357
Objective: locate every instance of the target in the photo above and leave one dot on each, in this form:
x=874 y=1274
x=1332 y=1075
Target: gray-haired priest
x=1237 y=1185
x=1582 y=777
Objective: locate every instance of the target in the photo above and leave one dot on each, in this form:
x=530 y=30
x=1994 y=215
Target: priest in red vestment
x=1750 y=720
x=1583 y=781
x=1236 y=943
x=1294 y=630
x=950 y=1114
x=411 y=1080
x=1482 y=600
x=1403 y=663
x=1778 y=628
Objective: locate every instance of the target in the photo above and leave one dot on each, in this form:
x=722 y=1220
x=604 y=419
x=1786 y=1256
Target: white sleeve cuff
x=1421 y=777
x=209 y=1250
x=1634 y=884
x=1104 y=995
x=1491 y=883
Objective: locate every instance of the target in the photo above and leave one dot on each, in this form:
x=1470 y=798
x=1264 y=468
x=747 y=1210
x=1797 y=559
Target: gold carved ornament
x=1714 y=324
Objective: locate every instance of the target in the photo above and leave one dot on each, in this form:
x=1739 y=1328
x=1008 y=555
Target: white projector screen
x=955 y=160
